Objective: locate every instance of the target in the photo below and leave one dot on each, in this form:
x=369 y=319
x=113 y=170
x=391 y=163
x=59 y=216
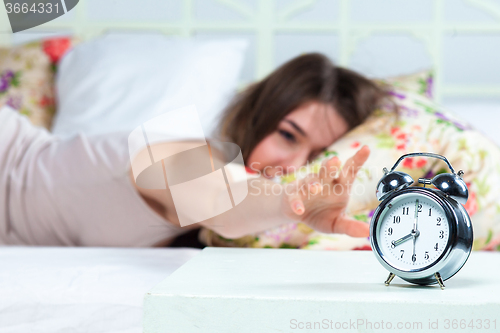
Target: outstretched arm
x=268 y=204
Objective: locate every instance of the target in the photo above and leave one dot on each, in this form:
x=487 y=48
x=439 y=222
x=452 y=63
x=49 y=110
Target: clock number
x=402 y=252
x=430 y=211
x=393 y=245
x=426 y=256
x=419 y=208
x=406 y=210
x=414 y=257
x=389 y=231
x=441 y=234
x=397 y=219
x=438 y=221
x=436 y=247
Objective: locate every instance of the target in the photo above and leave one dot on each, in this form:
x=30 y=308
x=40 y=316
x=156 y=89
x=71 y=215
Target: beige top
x=73 y=192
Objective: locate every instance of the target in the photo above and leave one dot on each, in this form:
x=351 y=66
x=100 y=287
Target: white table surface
x=280 y=290
x=66 y=289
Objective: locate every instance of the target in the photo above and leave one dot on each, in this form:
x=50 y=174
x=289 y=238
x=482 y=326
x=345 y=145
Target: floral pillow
x=420 y=83
x=421 y=126
x=27 y=77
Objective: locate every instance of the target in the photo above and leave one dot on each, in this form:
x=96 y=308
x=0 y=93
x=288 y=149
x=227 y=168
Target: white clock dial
x=395 y=236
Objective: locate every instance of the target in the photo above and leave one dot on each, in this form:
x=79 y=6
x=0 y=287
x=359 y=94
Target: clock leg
x=439 y=280
x=389 y=278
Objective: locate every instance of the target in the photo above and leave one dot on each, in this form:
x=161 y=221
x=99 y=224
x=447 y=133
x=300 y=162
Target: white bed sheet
x=60 y=289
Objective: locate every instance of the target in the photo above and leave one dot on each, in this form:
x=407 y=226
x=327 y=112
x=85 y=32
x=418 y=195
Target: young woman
x=82 y=191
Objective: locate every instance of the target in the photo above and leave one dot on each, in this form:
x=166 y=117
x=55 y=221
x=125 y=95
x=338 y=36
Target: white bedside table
x=284 y=290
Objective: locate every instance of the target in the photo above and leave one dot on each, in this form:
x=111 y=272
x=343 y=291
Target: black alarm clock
x=421 y=234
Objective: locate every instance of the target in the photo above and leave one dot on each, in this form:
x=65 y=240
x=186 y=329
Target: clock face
x=413 y=232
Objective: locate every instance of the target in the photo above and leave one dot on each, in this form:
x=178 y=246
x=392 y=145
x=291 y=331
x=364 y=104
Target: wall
x=459 y=39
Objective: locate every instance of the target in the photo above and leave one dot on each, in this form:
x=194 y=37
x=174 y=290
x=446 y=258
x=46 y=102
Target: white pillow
x=118 y=81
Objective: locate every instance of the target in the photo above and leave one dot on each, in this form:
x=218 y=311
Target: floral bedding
x=27 y=77
x=420 y=126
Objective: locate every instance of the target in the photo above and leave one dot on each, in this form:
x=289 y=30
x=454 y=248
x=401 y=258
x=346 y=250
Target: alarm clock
x=421 y=234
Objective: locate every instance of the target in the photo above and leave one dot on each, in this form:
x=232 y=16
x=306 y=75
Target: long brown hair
x=256 y=112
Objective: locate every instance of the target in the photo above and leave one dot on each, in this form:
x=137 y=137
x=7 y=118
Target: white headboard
x=460 y=39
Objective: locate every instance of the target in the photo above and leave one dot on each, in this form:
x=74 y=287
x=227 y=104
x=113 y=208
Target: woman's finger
x=330 y=170
x=353 y=164
x=294 y=196
x=313 y=184
x=351 y=227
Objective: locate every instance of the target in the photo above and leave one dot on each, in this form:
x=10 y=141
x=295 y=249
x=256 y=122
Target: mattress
x=60 y=289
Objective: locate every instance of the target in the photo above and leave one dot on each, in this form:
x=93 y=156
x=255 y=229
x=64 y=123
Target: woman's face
x=301 y=135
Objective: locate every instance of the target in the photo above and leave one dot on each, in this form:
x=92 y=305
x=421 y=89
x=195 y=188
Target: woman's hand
x=320 y=200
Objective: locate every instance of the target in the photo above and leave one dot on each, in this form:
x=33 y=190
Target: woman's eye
x=287 y=135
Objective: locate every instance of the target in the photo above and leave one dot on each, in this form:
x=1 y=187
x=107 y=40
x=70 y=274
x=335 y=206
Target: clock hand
x=415 y=233
x=402 y=240
x=416 y=218
x=413 y=256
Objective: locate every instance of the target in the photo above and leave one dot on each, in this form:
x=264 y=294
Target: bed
x=52 y=289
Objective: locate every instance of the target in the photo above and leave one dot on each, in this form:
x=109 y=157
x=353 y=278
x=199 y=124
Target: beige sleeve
x=73 y=192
